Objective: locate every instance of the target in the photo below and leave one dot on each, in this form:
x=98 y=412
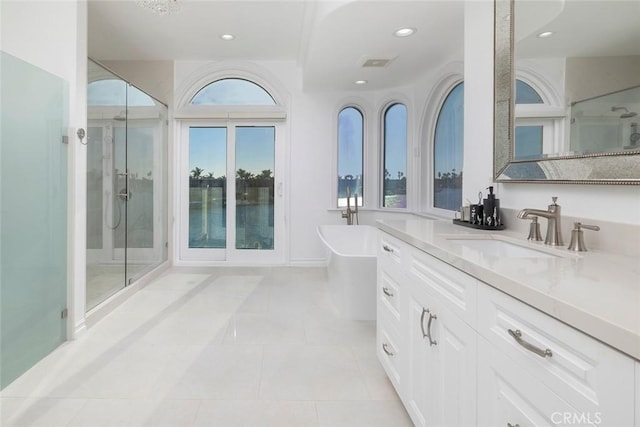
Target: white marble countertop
x=594 y=292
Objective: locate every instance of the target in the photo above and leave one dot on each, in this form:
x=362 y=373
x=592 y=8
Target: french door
x=231 y=192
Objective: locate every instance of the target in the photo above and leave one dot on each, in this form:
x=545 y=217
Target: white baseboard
x=308 y=262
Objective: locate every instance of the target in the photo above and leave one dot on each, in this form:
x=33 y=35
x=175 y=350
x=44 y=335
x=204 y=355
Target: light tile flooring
x=214 y=347
x=104 y=280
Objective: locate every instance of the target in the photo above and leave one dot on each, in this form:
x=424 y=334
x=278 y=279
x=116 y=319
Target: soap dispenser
x=491 y=208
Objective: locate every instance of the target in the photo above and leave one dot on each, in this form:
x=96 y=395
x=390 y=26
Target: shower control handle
x=125 y=194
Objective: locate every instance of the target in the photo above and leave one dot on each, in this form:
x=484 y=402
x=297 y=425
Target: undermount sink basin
x=501 y=247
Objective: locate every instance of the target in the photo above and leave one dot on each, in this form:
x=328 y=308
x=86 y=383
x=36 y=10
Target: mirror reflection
x=577 y=71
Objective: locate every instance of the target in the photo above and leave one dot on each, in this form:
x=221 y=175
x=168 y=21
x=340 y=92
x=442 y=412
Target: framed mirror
x=567 y=91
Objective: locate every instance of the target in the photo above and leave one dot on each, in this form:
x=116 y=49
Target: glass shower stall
x=126 y=184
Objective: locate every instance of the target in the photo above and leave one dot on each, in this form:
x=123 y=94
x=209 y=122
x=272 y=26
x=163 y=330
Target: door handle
x=427 y=334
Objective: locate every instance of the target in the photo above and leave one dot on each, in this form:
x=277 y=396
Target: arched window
x=448 y=151
x=394 y=184
x=350 y=155
x=525 y=94
x=232 y=91
x=537 y=131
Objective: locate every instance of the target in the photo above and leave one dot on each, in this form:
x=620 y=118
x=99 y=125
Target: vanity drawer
x=580 y=370
x=511 y=397
x=389 y=294
x=453 y=288
x=388 y=348
x=391 y=252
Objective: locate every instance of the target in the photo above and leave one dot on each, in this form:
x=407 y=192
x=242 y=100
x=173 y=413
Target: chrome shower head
x=627 y=114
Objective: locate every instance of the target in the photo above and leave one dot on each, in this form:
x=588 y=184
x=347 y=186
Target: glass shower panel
x=126 y=184
x=146 y=145
x=106 y=209
x=33 y=215
x=255 y=163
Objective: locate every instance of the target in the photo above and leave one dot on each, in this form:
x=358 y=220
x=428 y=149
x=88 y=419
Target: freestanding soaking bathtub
x=351 y=266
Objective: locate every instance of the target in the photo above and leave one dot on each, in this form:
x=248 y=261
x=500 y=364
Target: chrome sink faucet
x=552 y=214
x=349 y=214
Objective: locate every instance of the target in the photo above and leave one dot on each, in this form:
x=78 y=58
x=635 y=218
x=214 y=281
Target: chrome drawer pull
x=517 y=335
x=513 y=425
x=386 y=349
x=428 y=333
x=387 y=292
x=387 y=248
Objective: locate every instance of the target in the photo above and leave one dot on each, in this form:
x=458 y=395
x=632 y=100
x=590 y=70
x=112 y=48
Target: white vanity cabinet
x=637 y=394
x=423 y=309
x=467 y=354
x=440 y=386
x=563 y=374
x=391 y=286
x=510 y=396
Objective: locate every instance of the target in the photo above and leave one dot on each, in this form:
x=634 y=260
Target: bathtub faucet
x=349 y=214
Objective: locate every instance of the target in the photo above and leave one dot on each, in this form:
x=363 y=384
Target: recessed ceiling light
x=227 y=37
x=361 y=82
x=545 y=34
x=404 y=32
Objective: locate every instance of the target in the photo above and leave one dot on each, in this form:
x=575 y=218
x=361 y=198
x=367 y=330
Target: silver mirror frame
x=607 y=168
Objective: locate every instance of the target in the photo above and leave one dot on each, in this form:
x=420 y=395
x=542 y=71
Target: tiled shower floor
x=214 y=347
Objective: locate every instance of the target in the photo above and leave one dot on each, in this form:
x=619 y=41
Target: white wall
x=312 y=130
x=478 y=99
x=52 y=36
x=312 y=137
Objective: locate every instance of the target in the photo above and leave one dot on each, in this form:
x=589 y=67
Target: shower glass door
x=126 y=184
x=106 y=158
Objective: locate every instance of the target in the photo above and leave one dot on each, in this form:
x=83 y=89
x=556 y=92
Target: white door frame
x=231 y=255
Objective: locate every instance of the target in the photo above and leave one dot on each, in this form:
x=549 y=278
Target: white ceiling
x=581 y=28
x=329 y=40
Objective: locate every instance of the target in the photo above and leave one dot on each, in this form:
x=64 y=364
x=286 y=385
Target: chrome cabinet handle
x=387 y=292
x=517 y=335
x=386 y=349
x=513 y=425
x=428 y=333
x=387 y=248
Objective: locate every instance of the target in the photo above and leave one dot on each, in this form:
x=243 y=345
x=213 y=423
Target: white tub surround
x=595 y=292
x=351 y=268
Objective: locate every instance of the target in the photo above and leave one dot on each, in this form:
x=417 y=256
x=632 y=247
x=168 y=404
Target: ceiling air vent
x=379 y=62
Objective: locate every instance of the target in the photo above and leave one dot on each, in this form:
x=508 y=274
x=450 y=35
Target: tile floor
x=214 y=347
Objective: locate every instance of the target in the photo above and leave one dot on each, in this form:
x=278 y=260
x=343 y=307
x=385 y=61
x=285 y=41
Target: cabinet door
x=510 y=396
x=419 y=385
x=440 y=387
x=456 y=364
x=637 y=410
